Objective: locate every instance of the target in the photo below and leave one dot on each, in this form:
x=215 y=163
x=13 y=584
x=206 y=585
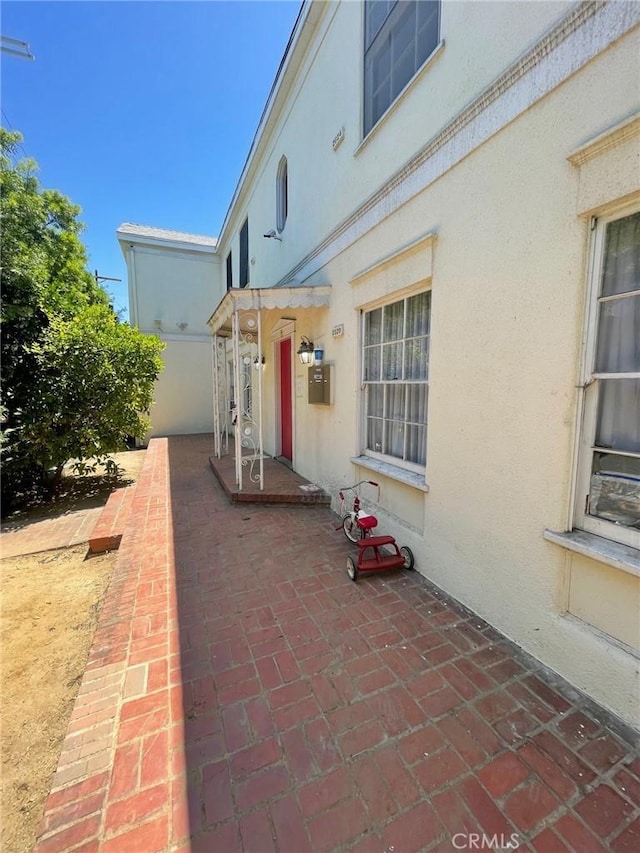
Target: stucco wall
x=172 y=288
x=184 y=396
x=606 y=598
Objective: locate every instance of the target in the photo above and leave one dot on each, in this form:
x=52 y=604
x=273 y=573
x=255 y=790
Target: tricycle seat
x=375 y=541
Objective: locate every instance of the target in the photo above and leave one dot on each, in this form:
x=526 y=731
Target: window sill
x=622 y=557
x=409 y=478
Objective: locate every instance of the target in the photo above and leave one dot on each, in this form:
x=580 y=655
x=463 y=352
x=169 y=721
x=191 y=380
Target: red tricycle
x=375 y=553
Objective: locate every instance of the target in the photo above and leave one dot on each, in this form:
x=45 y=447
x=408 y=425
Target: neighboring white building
x=173 y=280
x=449 y=194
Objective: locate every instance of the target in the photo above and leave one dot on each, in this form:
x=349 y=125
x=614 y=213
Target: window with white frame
x=608 y=489
x=399 y=36
x=282 y=194
x=395 y=362
x=244 y=254
x=229 y=271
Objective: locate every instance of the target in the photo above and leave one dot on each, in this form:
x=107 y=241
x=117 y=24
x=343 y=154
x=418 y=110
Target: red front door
x=286 y=424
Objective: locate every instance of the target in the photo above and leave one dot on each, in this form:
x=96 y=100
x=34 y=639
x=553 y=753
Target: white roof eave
x=149 y=239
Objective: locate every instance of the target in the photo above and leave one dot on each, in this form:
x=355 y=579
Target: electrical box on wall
x=320 y=384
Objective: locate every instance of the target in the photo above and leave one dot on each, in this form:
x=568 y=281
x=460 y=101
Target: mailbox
x=320 y=384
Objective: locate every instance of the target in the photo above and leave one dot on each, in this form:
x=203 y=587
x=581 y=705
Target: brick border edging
x=108 y=752
x=112 y=522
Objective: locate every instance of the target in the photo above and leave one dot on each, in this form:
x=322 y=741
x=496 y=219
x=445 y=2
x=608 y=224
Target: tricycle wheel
x=407 y=553
x=351 y=529
x=352 y=569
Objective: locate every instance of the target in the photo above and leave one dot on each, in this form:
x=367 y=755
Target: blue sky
x=142 y=111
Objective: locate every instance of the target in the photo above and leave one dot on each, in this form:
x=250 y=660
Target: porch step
x=111 y=522
x=281 y=485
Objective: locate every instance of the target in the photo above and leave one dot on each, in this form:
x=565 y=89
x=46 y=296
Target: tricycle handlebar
x=355 y=486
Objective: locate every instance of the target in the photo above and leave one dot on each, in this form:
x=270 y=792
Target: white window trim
x=588 y=399
x=415 y=474
x=282 y=194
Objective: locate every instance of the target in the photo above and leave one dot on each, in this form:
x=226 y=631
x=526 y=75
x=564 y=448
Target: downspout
x=133 y=287
x=260 y=385
x=216 y=399
x=235 y=329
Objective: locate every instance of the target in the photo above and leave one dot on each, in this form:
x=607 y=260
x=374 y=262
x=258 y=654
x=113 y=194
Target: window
x=282 y=194
x=395 y=377
x=398 y=38
x=229 y=272
x=608 y=493
x=244 y=254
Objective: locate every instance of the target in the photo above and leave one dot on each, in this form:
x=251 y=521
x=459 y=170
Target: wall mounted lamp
x=182 y=326
x=259 y=362
x=305 y=351
x=273 y=235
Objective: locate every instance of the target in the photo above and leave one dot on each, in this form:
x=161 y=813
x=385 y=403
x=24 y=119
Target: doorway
x=286 y=409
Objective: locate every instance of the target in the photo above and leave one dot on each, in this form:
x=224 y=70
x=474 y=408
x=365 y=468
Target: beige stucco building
x=173 y=278
x=449 y=194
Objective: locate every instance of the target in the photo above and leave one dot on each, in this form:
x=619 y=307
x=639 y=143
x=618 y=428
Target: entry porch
x=256 y=389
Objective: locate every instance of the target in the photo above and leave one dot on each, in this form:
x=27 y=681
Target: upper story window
x=244 y=254
x=395 y=362
x=399 y=36
x=229 y=272
x=608 y=489
x=282 y=194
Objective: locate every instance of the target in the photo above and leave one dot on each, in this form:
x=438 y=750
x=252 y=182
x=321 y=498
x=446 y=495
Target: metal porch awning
x=267 y=298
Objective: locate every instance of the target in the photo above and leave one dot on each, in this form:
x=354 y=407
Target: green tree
x=63 y=398
x=93 y=382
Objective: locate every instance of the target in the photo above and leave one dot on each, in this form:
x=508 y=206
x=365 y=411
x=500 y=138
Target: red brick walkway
x=243 y=694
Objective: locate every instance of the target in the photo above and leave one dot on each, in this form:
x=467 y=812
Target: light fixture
x=182 y=326
x=272 y=235
x=305 y=350
x=259 y=362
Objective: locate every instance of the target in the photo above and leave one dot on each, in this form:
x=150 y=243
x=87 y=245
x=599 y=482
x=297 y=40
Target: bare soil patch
x=50 y=606
x=80 y=492
x=50 y=603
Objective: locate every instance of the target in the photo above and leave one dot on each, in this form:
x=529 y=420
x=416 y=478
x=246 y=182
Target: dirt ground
x=50 y=604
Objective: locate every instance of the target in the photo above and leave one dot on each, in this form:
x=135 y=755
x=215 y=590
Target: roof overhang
x=266 y=298
x=139 y=235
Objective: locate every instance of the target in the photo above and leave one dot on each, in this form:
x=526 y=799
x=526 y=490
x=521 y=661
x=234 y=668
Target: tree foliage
x=76 y=382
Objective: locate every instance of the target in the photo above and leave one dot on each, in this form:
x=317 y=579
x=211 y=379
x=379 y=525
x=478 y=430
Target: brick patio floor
x=243 y=694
